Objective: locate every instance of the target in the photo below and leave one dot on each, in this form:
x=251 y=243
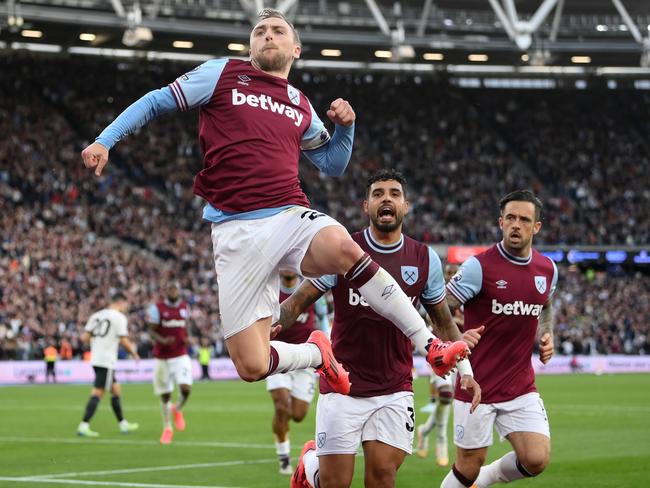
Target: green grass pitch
x=600 y=427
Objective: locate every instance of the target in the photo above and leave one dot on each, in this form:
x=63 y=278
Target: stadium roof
x=504 y=32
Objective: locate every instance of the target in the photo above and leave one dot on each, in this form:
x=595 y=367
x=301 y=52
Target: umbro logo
x=388 y=291
x=502 y=284
x=243 y=79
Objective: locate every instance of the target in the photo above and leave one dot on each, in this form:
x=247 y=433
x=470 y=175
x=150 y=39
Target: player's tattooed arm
x=545 y=332
x=453 y=303
x=446 y=327
x=292 y=307
x=443 y=323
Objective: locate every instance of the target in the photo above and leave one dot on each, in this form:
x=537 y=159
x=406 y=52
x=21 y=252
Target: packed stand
x=71 y=237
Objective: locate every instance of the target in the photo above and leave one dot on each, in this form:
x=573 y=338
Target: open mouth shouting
x=386 y=214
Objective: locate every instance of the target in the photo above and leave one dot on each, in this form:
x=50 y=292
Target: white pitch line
x=151 y=468
x=79 y=440
x=105 y=483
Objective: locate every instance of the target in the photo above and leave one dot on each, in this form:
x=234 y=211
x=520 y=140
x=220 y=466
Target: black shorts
x=50 y=366
x=104 y=378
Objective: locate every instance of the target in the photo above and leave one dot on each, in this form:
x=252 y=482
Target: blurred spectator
x=69 y=238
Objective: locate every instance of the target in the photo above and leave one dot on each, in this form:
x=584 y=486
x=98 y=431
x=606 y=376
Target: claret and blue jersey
x=506 y=294
x=377 y=354
x=252 y=128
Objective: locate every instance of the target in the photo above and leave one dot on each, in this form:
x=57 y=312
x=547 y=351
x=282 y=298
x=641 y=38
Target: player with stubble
x=253 y=125
x=507 y=289
x=379 y=413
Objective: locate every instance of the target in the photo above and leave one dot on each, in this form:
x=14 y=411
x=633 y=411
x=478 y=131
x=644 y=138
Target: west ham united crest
x=409 y=274
x=294 y=95
x=320 y=439
x=540 y=283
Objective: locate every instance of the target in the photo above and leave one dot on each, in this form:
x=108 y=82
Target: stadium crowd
x=69 y=238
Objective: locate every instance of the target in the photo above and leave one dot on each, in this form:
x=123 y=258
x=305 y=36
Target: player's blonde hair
x=269 y=13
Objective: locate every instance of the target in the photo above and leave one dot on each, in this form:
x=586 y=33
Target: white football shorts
x=525 y=413
x=344 y=422
x=247 y=257
x=167 y=372
x=301 y=383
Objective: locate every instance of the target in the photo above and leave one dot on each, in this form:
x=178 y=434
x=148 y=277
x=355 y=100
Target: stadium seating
x=68 y=237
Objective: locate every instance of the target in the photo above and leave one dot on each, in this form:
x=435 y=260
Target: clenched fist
x=341 y=112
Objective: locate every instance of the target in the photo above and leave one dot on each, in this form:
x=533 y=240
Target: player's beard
x=276 y=63
x=387 y=227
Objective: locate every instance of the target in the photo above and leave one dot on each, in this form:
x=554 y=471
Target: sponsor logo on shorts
x=321 y=437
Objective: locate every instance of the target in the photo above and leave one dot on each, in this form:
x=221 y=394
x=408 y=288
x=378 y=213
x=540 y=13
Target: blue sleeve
x=187 y=91
x=316 y=134
x=332 y=157
x=434 y=290
x=325 y=283
x=196 y=87
x=136 y=115
x=153 y=314
x=467 y=281
x=320 y=307
x=554 y=281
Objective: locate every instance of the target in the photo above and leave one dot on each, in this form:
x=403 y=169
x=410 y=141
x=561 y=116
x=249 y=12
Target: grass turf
x=599 y=424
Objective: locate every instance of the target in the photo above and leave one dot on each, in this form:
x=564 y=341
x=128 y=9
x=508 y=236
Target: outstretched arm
x=190 y=90
x=138 y=114
x=545 y=332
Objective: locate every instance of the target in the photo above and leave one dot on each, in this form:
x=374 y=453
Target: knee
x=298 y=416
x=349 y=253
x=535 y=462
x=251 y=372
x=334 y=480
x=380 y=476
x=186 y=390
x=469 y=466
x=282 y=409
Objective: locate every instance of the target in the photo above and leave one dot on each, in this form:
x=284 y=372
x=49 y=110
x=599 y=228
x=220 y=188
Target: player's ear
x=537 y=227
x=500 y=222
x=407 y=206
x=365 y=207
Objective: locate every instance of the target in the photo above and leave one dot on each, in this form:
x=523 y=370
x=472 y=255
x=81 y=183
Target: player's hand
x=472 y=336
x=95 y=156
x=469 y=384
x=135 y=356
x=341 y=112
x=546 y=348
